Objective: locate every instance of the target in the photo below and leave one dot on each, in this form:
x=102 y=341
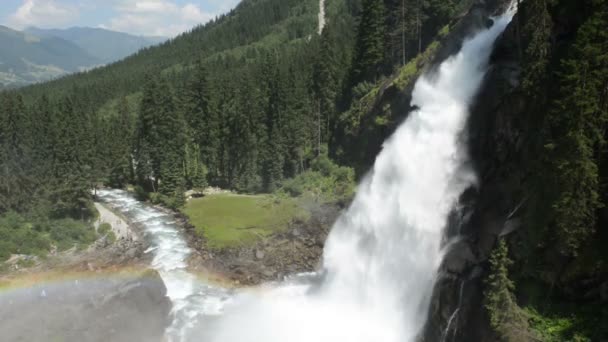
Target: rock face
x=492 y=210
x=131 y=308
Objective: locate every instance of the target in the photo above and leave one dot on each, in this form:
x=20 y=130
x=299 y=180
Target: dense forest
x=244 y=102
x=257 y=102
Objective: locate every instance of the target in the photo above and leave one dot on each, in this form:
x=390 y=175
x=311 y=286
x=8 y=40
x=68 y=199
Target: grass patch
x=229 y=220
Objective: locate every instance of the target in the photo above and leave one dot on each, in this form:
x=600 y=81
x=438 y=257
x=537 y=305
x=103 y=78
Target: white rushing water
x=191 y=298
x=382 y=256
x=322 y=19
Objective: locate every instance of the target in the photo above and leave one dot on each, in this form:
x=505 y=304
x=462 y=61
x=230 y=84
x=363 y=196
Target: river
x=192 y=299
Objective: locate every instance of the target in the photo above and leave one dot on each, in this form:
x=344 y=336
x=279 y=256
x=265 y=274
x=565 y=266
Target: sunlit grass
x=229 y=220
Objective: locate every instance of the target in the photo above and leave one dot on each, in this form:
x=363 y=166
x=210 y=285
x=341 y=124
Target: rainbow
x=29 y=280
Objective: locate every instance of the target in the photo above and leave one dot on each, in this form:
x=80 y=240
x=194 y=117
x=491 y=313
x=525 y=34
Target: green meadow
x=230 y=220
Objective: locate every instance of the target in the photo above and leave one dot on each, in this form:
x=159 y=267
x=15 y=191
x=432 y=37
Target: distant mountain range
x=108 y=46
x=36 y=55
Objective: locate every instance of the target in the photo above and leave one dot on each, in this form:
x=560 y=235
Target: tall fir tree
x=370 y=49
x=325 y=87
x=202 y=118
x=577 y=121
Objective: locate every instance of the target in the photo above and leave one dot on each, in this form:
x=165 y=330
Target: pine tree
x=195 y=170
x=160 y=139
x=537 y=33
x=70 y=177
x=202 y=118
x=16 y=184
x=300 y=129
x=172 y=133
x=369 y=51
x=577 y=122
x=325 y=87
x=119 y=143
x=148 y=139
x=506 y=318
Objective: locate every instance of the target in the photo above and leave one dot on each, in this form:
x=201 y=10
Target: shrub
x=34 y=236
x=67 y=233
x=325 y=180
x=111 y=237
x=6 y=249
x=18 y=236
x=104 y=228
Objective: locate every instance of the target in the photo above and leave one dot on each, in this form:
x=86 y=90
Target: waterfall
x=382 y=256
x=444 y=337
x=322 y=19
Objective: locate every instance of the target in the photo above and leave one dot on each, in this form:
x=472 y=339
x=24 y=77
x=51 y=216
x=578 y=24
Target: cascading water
x=191 y=299
x=322 y=19
x=381 y=258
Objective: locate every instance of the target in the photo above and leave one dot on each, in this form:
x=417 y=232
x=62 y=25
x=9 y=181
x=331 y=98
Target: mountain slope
x=253 y=27
x=108 y=46
x=33 y=59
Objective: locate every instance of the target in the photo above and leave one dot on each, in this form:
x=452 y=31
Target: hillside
x=243 y=34
x=33 y=59
x=107 y=46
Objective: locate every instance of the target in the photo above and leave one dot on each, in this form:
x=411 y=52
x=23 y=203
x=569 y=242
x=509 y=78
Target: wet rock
x=459 y=257
x=476 y=273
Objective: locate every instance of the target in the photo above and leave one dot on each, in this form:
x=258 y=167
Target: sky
x=166 y=18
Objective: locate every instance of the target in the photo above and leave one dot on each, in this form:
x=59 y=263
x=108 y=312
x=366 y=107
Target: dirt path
x=119 y=225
